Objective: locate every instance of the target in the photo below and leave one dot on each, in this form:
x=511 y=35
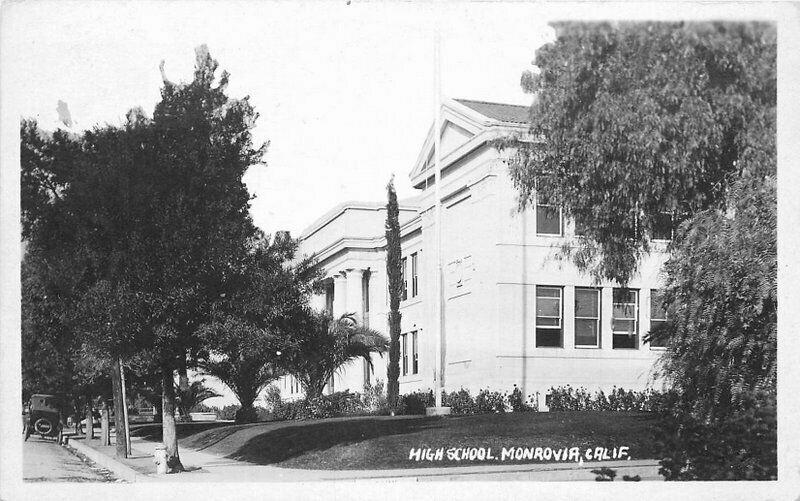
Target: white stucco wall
x=492 y=262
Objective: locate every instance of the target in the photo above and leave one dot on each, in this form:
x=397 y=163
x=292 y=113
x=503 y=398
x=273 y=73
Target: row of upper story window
x=550 y=222
x=411 y=275
x=587 y=316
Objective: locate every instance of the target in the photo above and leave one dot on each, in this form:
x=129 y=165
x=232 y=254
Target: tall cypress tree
x=395 y=284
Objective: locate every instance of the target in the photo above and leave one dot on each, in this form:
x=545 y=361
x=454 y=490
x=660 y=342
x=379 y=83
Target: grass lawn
x=384 y=442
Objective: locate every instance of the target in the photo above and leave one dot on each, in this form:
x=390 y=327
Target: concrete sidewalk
x=204 y=467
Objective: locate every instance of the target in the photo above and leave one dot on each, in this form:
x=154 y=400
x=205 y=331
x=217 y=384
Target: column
x=339 y=294
x=568 y=320
x=355 y=288
x=606 y=311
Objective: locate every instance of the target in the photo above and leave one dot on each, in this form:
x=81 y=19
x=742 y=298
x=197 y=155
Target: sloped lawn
x=385 y=442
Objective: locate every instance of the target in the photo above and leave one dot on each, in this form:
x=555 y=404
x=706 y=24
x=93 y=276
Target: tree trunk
x=247 y=413
x=170 y=438
x=89 y=418
x=393 y=368
x=105 y=435
x=119 y=415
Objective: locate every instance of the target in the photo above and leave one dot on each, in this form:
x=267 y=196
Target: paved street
x=45 y=461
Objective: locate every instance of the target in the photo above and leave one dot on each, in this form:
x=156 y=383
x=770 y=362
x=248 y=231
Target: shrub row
x=461 y=402
x=566 y=398
x=371 y=402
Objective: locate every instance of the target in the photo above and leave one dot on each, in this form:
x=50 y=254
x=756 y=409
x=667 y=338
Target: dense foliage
x=318 y=345
x=194 y=395
x=637 y=122
x=632 y=121
x=245 y=340
x=141 y=226
x=567 y=398
x=394 y=276
x=721 y=294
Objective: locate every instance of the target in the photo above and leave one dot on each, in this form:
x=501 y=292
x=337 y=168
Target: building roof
x=498 y=111
x=410 y=203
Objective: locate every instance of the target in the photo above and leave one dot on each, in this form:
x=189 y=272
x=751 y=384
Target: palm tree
x=243 y=357
x=195 y=394
x=321 y=344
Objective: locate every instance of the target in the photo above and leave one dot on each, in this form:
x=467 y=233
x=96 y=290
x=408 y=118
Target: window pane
x=586 y=332
x=624 y=296
x=548 y=337
x=656 y=343
x=545 y=321
x=624 y=341
x=548 y=220
x=548 y=291
x=586 y=303
x=657 y=305
x=662 y=227
x=625 y=310
x=628 y=326
x=548 y=307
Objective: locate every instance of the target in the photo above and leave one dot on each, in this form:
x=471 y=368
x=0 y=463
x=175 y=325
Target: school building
x=513 y=312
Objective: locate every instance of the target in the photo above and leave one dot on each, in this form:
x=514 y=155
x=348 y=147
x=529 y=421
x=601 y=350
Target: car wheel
x=43 y=426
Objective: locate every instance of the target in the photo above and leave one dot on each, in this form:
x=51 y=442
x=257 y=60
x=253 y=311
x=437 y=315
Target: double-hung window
x=587 y=317
x=404 y=350
x=548 y=219
x=414 y=281
x=549 y=316
x=404 y=275
x=625 y=319
x=658 y=315
x=414 y=353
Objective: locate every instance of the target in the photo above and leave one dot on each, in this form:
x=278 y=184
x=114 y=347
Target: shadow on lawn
x=153 y=431
x=291 y=441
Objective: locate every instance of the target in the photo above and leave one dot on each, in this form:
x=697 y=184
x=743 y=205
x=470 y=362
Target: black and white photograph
x=425 y=249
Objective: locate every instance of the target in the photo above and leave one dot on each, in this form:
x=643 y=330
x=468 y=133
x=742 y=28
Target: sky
x=345 y=92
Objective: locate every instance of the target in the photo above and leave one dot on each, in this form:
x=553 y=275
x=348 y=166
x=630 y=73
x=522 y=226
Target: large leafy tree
x=245 y=339
x=633 y=122
x=318 y=345
x=394 y=276
x=156 y=215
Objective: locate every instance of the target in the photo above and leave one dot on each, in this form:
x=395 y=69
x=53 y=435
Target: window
x=404 y=277
x=414 y=288
x=662 y=226
x=404 y=351
x=329 y=298
x=658 y=315
x=365 y=298
x=548 y=219
x=548 y=316
x=414 y=353
x=587 y=317
x=624 y=323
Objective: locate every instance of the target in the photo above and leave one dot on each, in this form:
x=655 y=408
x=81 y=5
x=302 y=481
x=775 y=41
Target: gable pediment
x=457 y=128
x=462 y=128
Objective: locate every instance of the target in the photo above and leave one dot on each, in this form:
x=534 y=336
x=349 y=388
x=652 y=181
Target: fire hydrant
x=160 y=459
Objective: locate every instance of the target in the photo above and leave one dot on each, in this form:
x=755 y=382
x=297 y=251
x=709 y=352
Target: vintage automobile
x=44 y=416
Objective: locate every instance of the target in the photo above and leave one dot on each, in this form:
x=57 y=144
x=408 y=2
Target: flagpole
x=439 y=359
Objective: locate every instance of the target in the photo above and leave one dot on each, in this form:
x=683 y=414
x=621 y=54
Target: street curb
x=120 y=470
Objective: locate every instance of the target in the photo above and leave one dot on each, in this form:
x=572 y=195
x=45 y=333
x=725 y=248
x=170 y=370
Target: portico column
x=339 y=294
x=355 y=288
